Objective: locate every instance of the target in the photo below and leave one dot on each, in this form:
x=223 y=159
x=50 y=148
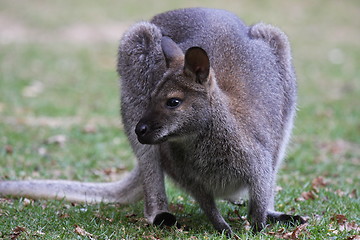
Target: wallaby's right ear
x=172 y=52
x=197 y=62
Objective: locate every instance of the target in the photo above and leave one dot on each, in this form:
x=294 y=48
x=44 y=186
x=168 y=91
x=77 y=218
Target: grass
x=58 y=79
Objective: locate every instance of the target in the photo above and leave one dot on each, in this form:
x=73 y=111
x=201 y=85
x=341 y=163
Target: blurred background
x=58 y=58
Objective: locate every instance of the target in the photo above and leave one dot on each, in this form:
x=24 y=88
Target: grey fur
x=229 y=132
x=232 y=132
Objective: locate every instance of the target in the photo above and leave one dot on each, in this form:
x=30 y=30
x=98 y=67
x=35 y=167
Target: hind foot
x=285 y=218
x=164 y=219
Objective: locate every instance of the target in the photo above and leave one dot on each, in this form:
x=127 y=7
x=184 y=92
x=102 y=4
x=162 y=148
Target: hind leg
x=258 y=203
x=274 y=216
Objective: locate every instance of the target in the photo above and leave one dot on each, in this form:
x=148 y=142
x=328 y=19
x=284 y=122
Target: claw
x=286 y=218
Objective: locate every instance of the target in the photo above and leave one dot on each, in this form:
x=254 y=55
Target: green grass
x=58 y=78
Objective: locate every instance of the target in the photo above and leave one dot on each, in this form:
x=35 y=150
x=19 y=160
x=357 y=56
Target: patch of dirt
x=14 y=31
x=339 y=149
x=55 y=122
x=82 y=33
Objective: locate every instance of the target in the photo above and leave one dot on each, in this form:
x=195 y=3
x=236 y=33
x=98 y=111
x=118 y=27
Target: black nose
x=141 y=129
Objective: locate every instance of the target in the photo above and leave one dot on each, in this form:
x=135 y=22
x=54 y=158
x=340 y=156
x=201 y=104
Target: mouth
x=148 y=135
x=145 y=140
x=151 y=139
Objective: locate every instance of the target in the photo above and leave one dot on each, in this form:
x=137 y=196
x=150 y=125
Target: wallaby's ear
x=197 y=62
x=172 y=52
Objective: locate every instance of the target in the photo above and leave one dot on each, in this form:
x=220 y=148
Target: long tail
x=125 y=191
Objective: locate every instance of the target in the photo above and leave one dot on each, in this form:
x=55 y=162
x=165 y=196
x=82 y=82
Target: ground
x=59 y=118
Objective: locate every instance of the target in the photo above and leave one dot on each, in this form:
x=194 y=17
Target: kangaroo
x=206 y=100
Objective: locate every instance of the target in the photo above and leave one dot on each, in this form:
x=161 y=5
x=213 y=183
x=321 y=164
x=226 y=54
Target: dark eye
x=173 y=102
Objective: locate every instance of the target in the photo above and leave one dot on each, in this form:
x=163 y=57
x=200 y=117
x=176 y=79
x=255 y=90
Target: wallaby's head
x=180 y=102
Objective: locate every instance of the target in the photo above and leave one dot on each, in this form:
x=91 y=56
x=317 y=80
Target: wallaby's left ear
x=172 y=52
x=197 y=62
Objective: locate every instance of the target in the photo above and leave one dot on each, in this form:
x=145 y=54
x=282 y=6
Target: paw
x=256 y=228
x=228 y=232
x=164 y=219
x=257 y=222
x=286 y=218
x=296 y=219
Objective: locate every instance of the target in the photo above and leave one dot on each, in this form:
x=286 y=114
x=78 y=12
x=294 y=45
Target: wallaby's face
x=179 y=104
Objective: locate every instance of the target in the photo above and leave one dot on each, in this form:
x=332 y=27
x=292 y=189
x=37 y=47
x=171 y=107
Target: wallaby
x=205 y=99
